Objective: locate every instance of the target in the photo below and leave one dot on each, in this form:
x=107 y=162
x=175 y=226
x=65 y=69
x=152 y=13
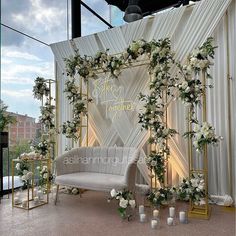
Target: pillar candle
x=24 y=203
x=172 y=212
x=154 y=224
x=182 y=216
x=141 y=209
x=40 y=194
x=155 y=213
x=36 y=200
x=170 y=221
x=142 y=217
x=16 y=200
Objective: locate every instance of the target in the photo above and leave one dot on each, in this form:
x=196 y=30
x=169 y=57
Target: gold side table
x=31 y=197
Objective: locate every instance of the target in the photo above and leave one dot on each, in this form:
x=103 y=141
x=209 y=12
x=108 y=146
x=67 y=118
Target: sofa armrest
x=130 y=173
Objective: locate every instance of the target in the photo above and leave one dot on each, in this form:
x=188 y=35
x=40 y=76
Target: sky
x=22 y=59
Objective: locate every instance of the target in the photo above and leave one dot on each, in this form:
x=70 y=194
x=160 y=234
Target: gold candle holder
x=31 y=200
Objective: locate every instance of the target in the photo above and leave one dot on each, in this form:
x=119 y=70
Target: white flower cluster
x=25 y=174
x=123 y=202
x=193 y=188
x=47 y=115
x=70 y=129
x=198 y=59
x=40 y=88
x=190 y=91
x=204 y=134
x=70 y=190
x=43 y=171
x=30 y=156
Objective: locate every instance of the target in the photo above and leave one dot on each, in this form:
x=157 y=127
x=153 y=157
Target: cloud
x=24 y=93
x=43 y=19
x=22 y=55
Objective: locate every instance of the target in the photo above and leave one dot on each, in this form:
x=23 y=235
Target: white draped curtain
x=187 y=27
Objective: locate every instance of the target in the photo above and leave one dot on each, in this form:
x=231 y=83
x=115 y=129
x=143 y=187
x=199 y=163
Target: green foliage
x=5 y=118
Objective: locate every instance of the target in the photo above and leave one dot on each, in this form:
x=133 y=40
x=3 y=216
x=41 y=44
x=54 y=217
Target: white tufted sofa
x=98 y=168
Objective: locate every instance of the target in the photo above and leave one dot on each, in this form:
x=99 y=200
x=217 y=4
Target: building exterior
x=24 y=129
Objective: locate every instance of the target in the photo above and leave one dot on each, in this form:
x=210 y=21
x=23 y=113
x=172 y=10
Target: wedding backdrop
x=113 y=114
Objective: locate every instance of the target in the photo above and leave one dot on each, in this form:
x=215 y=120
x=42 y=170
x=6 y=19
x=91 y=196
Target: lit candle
x=36 y=200
x=142 y=217
x=182 y=217
x=141 y=209
x=35 y=192
x=40 y=194
x=172 y=212
x=170 y=221
x=154 y=224
x=24 y=203
x=155 y=213
x=16 y=200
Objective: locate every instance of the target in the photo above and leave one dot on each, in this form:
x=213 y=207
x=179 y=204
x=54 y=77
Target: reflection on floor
x=93 y=215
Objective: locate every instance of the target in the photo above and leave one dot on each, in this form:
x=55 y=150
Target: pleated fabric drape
x=187 y=27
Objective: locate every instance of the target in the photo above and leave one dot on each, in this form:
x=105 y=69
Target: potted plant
x=5 y=120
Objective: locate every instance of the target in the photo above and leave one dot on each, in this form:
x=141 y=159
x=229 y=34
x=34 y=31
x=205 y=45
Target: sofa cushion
x=92 y=181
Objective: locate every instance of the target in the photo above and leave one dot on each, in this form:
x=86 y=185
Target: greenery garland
x=40 y=88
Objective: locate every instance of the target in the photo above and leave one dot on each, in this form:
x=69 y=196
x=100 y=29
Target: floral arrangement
x=47 y=115
x=70 y=128
x=202 y=135
x=30 y=156
x=193 y=189
x=199 y=58
x=190 y=91
x=24 y=173
x=71 y=190
x=44 y=174
x=40 y=88
x=156 y=162
x=42 y=148
x=161 y=196
x=126 y=201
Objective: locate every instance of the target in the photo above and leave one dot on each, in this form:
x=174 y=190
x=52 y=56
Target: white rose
x=123 y=203
x=125 y=55
x=132 y=203
x=202 y=202
x=184 y=85
x=18 y=166
x=153 y=163
x=140 y=51
x=113 y=192
x=116 y=72
x=187 y=89
x=194 y=182
x=75 y=191
x=45 y=175
x=201 y=187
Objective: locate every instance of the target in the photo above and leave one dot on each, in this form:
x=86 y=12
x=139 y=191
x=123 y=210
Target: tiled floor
x=93 y=215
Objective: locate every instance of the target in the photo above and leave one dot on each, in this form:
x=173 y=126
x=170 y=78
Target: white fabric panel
x=164 y=24
x=87 y=45
x=112 y=40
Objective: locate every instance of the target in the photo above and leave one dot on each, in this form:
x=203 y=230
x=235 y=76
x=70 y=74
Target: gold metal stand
x=202 y=211
x=30 y=200
x=84 y=91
